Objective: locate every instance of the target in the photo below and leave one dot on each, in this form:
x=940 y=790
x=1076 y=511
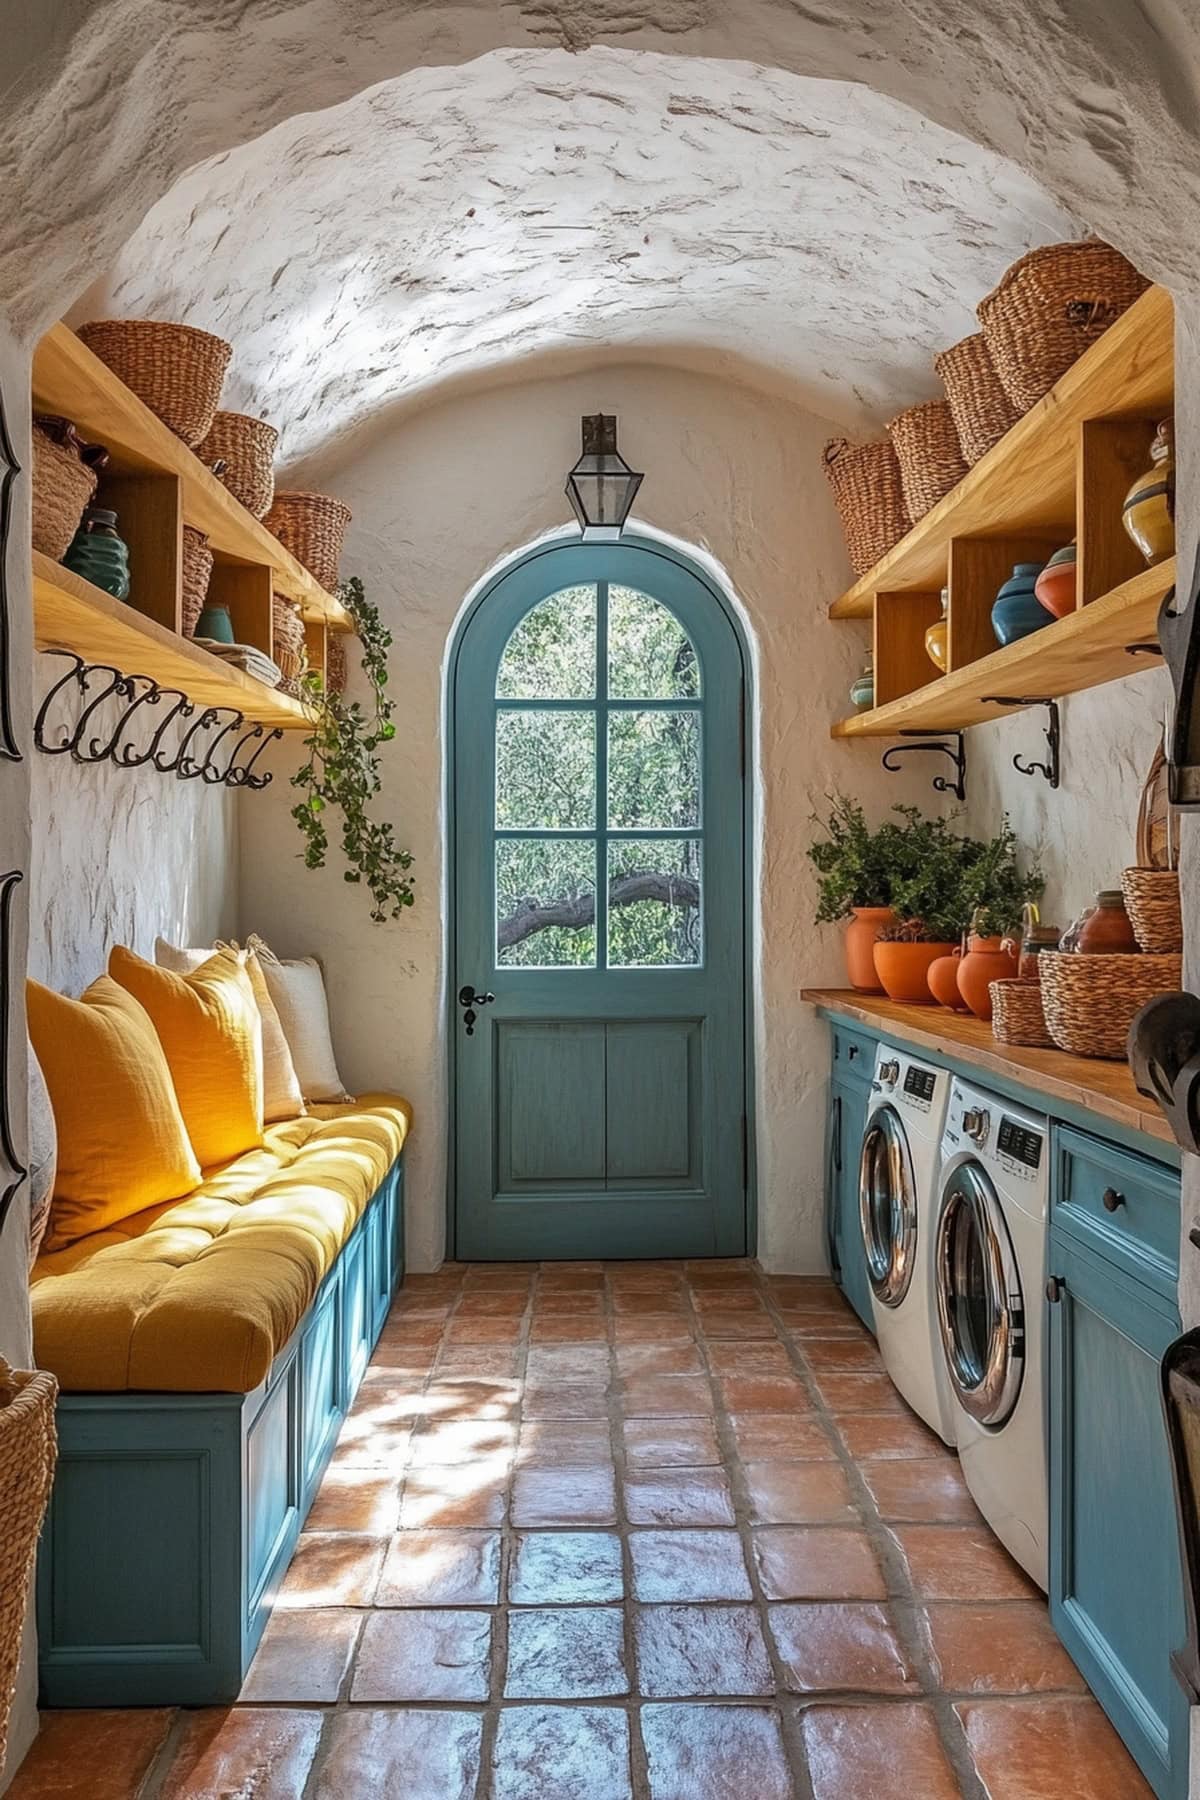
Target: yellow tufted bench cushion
x=199 y=1295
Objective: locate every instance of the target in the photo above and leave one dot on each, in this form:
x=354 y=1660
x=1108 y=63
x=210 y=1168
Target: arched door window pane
x=650 y=656
x=552 y=653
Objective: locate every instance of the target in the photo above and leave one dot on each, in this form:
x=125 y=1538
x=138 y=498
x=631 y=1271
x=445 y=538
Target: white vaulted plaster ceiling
x=453 y=224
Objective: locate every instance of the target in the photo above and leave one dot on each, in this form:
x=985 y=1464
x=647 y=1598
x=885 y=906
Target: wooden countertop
x=1103 y=1088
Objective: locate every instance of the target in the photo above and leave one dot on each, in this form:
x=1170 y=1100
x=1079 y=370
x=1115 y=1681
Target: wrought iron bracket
x=1179 y=635
x=953 y=746
x=1164 y=1055
x=1051 y=769
x=213 y=747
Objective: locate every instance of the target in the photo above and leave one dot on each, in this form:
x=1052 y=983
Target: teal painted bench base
x=174 y=1516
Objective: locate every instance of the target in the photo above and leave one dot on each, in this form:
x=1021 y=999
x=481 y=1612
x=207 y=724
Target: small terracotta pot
x=943 y=982
x=904 y=970
x=861 y=933
x=988 y=959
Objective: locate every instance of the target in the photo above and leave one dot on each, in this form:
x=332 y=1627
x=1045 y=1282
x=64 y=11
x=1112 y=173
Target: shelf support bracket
x=952 y=745
x=1051 y=769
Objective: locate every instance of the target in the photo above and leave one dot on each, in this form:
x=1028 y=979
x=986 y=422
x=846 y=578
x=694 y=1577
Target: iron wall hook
x=1051 y=770
x=953 y=745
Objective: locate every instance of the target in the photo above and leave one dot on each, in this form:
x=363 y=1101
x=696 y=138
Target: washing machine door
x=980 y=1307
x=887 y=1205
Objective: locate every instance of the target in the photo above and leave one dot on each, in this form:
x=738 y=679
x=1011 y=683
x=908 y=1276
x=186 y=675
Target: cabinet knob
x=1054 y=1290
x=851 y=1051
x=1112 y=1199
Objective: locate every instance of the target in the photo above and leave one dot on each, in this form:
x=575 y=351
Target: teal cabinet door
x=847 y=1120
x=598 y=986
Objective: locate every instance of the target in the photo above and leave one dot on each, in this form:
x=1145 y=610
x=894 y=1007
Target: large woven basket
x=1153 y=904
x=981 y=409
x=175 y=369
x=1050 y=306
x=246 y=446
x=62 y=486
x=1017 y=1015
x=28 y=1449
x=312 y=527
x=867 y=491
x=287 y=641
x=929 y=453
x=1091 y=1001
x=197 y=568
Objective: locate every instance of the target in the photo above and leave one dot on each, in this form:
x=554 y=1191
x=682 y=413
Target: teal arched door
x=599 y=913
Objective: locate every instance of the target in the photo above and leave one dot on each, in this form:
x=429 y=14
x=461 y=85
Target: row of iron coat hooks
x=114 y=712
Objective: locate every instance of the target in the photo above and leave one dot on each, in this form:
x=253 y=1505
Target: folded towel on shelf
x=246 y=657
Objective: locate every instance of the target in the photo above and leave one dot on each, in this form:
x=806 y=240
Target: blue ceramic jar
x=98 y=554
x=1017 y=610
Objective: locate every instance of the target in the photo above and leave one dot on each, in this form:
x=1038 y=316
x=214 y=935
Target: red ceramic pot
x=904 y=970
x=1055 y=588
x=943 y=982
x=988 y=959
x=861 y=934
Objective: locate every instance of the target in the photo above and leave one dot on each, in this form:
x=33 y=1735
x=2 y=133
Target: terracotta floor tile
x=356 y=1500
x=955 y=1562
x=564 y=1441
x=843 y=1393
x=566 y=1328
x=566 y=1653
x=303 y=1657
x=91 y=1754
x=856 y=1751
x=498 y=1305
x=685 y=1652
x=780 y=1437
x=823 y=1324
x=927 y=1491
x=844 y=1645
x=419 y=1655
x=688 y=1565
x=421 y=1755
x=715 y=1753
x=565 y=1280
x=561 y=1753
x=565 y=1496
x=363 y=1445
x=1049 y=1750
x=674 y=1496
x=333 y=1569
x=662 y=1443
x=554 y=1399
x=471 y=1399
x=564 y=1568
x=441 y=1568
x=868 y=1435
x=491 y=1441
x=666 y=1396
x=850 y=1354
x=244 y=1753
x=799 y=1493
x=587 y=1364
x=659 y=1359
x=817 y=1562
x=765 y=1394
x=805 y=1291
x=452 y=1494
x=728 y=1299
x=726 y=1324
x=478 y=1359
x=652 y=1328
x=647 y=1300
x=1007 y=1647
x=748 y=1356
x=481 y=1331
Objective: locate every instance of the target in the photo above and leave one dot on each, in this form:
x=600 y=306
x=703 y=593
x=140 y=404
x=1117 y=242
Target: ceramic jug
x=1149 y=510
x=98 y=554
x=1018 y=611
x=936 y=645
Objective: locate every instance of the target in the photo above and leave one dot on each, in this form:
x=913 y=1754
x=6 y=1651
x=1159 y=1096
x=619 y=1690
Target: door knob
x=468 y=999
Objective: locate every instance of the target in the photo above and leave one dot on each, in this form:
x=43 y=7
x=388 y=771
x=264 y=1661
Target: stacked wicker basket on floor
x=28 y=1451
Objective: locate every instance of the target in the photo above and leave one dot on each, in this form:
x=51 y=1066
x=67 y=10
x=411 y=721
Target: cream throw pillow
x=297 y=987
x=282 y=1097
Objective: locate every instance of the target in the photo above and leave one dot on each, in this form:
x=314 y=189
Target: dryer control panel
x=1019 y=1148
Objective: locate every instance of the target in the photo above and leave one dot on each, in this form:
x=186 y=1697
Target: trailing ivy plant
x=342 y=770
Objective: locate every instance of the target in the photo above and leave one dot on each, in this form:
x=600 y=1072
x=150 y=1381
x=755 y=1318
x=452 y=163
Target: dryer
x=990 y=1274
x=897 y=1190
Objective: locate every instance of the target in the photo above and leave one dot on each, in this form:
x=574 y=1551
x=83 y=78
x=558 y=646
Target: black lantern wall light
x=601 y=486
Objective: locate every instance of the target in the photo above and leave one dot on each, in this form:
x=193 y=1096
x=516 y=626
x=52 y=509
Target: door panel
x=652 y=1125
x=550 y=1077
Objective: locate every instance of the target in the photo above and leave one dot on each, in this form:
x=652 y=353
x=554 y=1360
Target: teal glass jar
x=215 y=624
x=99 y=554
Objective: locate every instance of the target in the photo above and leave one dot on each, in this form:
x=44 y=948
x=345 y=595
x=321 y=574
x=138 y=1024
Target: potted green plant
x=855 y=867
x=995 y=890
x=930 y=863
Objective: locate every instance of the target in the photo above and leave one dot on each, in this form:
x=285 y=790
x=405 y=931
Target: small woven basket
x=1050 y=306
x=197 y=568
x=981 y=409
x=869 y=496
x=246 y=446
x=1017 y=1015
x=1153 y=904
x=287 y=642
x=312 y=527
x=175 y=369
x=62 y=486
x=335 y=661
x=28 y=1450
x=929 y=453
x=1091 y=1001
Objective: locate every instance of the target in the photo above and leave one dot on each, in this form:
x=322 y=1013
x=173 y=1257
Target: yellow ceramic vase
x=1149 y=510
x=936 y=646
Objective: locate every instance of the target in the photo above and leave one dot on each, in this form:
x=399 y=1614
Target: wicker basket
x=867 y=491
x=197 y=567
x=1017 y=1015
x=175 y=369
x=62 y=486
x=287 y=642
x=247 y=448
x=312 y=527
x=1091 y=1001
x=28 y=1450
x=981 y=409
x=929 y=453
x=1153 y=904
x=1049 y=307
x=335 y=661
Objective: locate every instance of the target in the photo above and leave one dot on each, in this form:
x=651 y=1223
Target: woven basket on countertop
x=63 y=485
x=312 y=527
x=929 y=453
x=1049 y=307
x=246 y=446
x=869 y=496
x=175 y=369
x=197 y=569
x=1017 y=1015
x=287 y=641
x=28 y=1451
x=1091 y=1001
x=1153 y=903
x=981 y=409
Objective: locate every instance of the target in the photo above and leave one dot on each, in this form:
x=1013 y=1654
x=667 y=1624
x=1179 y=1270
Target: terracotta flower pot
x=988 y=959
x=904 y=970
x=861 y=933
x=943 y=982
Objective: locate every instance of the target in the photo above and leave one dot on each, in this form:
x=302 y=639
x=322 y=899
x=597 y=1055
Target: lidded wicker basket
x=175 y=369
x=246 y=446
x=1152 y=901
x=1017 y=1015
x=869 y=496
x=981 y=409
x=1091 y=1001
x=197 y=569
x=929 y=453
x=63 y=484
x=312 y=527
x=28 y=1450
x=287 y=641
x=1049 y=307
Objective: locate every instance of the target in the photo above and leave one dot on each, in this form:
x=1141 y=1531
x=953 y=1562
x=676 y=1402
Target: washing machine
x=990 y=1275
x=897 y=1193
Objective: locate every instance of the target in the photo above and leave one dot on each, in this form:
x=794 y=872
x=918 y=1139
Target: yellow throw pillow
x=122 y=1142
x=282 y=1098
x=209 y=1027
